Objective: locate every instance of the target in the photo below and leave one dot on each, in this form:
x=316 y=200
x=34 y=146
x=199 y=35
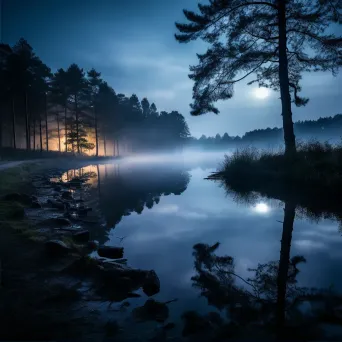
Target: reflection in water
x=264 y=302
x=117 y=190
x=265 y=305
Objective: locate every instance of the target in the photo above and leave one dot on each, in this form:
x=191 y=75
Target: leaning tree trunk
x=13 y=125
x=66 y=127
x=46 y=125
x=284 y=263
x=289 y=137
x=40 y=133
x=27 y=125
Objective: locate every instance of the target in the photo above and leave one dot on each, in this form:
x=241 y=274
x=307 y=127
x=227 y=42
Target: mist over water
x=161 y=205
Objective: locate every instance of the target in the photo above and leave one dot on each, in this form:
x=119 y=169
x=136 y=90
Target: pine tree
x=276 y=40
x=94 y=79
x=78 y=88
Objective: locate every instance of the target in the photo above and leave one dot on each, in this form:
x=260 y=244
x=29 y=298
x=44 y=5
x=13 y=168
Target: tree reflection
x=268 y=303
x=123 y=190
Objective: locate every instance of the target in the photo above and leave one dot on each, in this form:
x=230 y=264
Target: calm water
x=163 y=208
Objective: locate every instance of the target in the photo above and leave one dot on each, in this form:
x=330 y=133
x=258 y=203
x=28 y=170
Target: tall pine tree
x=276 y=40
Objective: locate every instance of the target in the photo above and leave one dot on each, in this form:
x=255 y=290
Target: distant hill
x=323 y=129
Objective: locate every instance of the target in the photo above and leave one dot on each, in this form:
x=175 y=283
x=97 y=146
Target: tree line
x=322 y=129
x=76 y=110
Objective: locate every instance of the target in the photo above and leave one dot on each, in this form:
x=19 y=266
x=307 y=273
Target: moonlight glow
x=262 y=208
x=261 y=93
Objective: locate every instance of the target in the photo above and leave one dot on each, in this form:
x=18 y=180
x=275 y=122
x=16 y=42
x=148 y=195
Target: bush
x=316 y=171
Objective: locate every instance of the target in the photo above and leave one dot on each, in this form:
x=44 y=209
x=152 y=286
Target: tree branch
x=234 y=9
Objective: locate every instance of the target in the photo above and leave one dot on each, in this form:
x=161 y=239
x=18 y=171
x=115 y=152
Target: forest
x=323 y=129
x=75 y=111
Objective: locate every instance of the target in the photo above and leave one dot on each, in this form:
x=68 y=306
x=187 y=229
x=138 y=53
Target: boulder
x=20 y=198
x=81 y=236
x=35 y=205
x=56 y=247
x=56 y=204
x=151 y=284
x=67 y=195
x=110 y=252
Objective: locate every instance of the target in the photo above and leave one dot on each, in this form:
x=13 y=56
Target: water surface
x=159 y=209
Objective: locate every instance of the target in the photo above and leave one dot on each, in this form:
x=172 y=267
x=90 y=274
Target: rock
x=35 y=205
x=152 y=284
x=55 y=222
x=20 y=198
x=56 y=247
x=57 y=188
x=76 y=182
x=93 y=245
x=56 y=204
x=34 y=198
x=81 y=236
x=83 y=211
x=110 y=252
x=67 y=195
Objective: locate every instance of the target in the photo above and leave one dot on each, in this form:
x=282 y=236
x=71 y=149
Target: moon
x=261 y=93
x=262 y=208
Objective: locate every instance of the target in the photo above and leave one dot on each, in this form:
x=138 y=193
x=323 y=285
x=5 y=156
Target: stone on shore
x=110 y=252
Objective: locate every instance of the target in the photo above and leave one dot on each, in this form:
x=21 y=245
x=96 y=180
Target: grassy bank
x=313 y=177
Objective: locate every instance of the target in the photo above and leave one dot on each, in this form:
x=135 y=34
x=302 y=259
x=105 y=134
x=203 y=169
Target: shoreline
x=42 y=292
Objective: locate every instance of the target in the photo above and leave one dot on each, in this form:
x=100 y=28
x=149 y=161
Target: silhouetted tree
x=277 y=40
x=94 y=79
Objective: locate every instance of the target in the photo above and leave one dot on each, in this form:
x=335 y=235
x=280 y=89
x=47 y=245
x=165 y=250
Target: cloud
x=309 y=244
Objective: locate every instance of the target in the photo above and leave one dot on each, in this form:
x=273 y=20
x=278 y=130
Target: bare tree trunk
x=77 y=127
x=117 y=147
x=66 y=127
x=104 y=145
x=289 y=137
x=58 y=133
x=13 y=125
x=46 y=125
x=96 y=133
x=34 y=134
x=284 y=262
x=27 y=127
x=40 y=133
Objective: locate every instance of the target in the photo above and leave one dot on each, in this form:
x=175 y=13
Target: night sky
x=132 y=43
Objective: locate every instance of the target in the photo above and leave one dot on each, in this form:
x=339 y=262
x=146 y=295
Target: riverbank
x=49 y=285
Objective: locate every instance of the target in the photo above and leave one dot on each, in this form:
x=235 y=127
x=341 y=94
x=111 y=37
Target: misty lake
x=158 y=209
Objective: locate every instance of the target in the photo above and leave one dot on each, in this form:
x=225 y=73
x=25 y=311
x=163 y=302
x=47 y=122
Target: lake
x=158 y=208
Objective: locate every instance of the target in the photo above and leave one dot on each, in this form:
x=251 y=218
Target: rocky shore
x=51 y=266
